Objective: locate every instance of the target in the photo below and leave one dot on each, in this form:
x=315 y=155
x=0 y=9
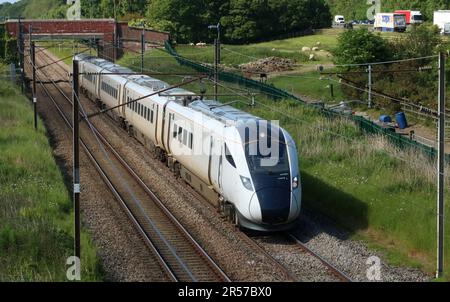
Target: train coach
x=245 y=166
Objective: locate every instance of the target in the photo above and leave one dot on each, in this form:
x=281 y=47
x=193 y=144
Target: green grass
x=234 y=55
x=309 y=84
x=35 y=207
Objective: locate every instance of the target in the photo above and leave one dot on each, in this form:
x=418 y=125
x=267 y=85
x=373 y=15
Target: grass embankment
x=36 y=216
x=384 y=196
x=303 y=80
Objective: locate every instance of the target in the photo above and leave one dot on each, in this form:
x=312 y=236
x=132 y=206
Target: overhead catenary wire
x=381 y=63
x=308 y=123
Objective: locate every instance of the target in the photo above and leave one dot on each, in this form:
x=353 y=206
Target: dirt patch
x=268 y=65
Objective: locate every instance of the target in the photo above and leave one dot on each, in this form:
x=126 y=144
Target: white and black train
x=247 y=167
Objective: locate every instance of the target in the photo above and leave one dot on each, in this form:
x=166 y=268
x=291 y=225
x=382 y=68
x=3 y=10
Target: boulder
x=315 y=49
x=306 y=49
x=312 y=57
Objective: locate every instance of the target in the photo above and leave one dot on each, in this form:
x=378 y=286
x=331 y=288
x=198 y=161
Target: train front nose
x=274 y=205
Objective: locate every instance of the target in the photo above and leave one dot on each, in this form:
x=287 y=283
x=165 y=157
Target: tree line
x=243 y=21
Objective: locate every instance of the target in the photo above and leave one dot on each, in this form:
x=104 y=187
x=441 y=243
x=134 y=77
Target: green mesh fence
x=365 y=125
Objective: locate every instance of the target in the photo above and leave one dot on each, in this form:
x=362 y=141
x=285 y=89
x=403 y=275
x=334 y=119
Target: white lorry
x=390 y=22
x=441 y=18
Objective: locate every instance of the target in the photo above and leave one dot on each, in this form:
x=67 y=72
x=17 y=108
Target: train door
x=229 y=177
x=215 y=172
x=122 y=100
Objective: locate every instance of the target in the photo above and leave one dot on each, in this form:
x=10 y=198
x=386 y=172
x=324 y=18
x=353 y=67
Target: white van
x=338 y=19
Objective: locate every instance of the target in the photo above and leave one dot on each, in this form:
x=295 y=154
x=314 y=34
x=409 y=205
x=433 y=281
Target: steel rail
x=337 y=272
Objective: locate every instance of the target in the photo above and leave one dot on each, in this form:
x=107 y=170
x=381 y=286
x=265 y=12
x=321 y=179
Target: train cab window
x=229 y=157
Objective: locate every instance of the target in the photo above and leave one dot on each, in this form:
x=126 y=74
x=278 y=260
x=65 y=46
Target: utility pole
x=216 y=58
x=76 y=157
x=33 y=60
x=21 y=55
x=216 y=69
x=142 y=49
x=441 y=168
x=370 y=86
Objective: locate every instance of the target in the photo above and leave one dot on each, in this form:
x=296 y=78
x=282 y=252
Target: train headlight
x=295 y=182
x=247 y=183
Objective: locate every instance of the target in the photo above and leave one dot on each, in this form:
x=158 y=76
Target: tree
x=361 y=46
x=184 y=19
x=252 y=20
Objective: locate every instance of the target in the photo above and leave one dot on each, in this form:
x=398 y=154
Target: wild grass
x=36 y=216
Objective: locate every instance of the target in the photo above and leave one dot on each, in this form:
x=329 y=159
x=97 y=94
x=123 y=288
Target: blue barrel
x=401 y=120
x=385 y=119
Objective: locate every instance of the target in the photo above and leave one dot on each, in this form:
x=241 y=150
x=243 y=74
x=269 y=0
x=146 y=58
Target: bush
x=361 y=46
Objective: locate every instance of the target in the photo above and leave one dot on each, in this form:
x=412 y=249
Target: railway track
x=179 y=255
x=333 y=269
x=309 y=265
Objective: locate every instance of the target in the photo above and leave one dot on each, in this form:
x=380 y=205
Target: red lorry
x=412 y=16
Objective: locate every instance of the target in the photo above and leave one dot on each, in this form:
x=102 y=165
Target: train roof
x=221 y=112
x=141 y=80
x=216 y=110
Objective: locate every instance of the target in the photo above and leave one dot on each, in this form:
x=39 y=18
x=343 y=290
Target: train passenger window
x=229 y=157
x=185 y=137
x=151 y=116
x=191 y=140
x=180 y=134
x=175 y=130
